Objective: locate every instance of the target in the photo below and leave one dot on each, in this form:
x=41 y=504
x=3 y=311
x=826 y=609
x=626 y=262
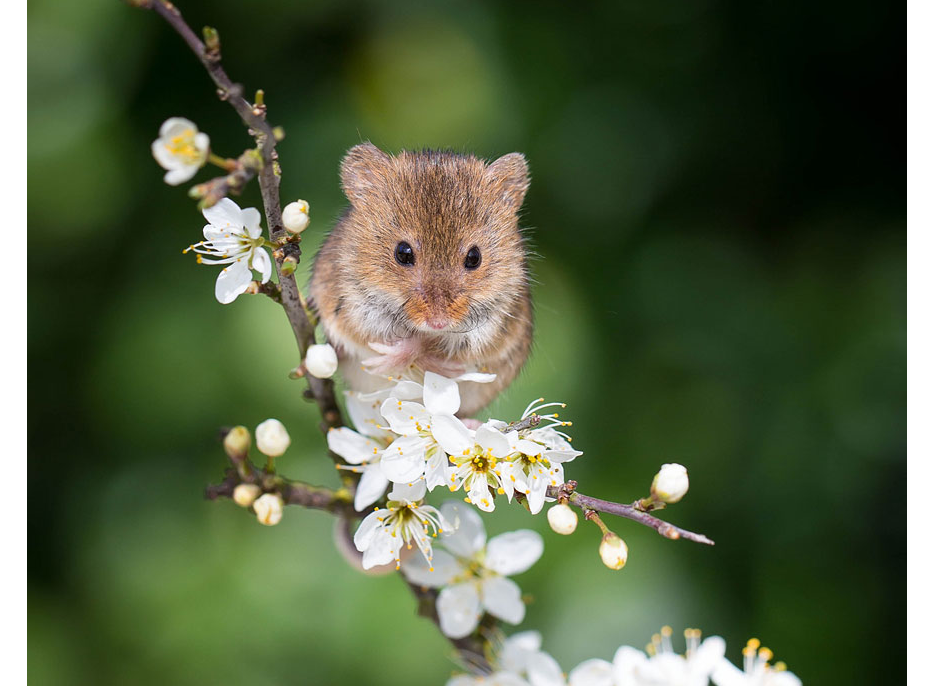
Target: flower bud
x=294 y=217
x=237 y=442
x=613 y=551
x=269 y=509
x=321 y=361
x=272 y=438
x=670 y=484
x=245 y=494
x=562 y=519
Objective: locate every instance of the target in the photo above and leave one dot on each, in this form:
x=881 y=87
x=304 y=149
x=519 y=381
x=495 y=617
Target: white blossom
x=670 y=484
x=473 y=576
x=272 y=438
x=406 y=519
x=476 y=465
x=181 y=149
x=427 y=433
x=757 y=670
x=537 y=457
x=665 y=667
x=268 y=509
x=233 y=236
x=295 y=216
x=493 y=679
x=562 y=519
x=522 y=655
x=321 y=361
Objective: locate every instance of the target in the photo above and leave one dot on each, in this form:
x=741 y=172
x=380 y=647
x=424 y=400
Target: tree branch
x=338 y=501
x=269 y=174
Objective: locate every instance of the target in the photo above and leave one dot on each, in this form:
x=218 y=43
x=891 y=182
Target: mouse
x=427 y=269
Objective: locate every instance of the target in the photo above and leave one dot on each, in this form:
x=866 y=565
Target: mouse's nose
x=437 y=323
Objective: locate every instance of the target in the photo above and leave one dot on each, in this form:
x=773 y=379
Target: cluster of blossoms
x=410 y=432
x=521 y=662
x=408 y=435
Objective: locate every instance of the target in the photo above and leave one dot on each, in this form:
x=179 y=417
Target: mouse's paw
x=392 y=357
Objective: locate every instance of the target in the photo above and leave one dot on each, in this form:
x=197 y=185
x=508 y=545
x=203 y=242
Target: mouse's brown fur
x=435 y=313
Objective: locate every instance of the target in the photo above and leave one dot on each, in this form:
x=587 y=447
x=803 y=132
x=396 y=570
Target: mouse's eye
x=473 y=258
x=404 y=254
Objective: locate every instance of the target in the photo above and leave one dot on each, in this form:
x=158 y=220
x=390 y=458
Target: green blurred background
x=717 y=206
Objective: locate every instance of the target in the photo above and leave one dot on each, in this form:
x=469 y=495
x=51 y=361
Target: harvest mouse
x=427 y=267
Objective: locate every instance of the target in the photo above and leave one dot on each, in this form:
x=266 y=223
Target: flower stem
x=223 y=162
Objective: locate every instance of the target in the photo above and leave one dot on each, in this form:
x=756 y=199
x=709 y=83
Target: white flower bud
x=562 y=519
x=670 y=484
x=613 y=551
x=237 y=441
x=269 y=509
x=272 y=438
x=321 y=361
x=295 y=217
x=245 y=494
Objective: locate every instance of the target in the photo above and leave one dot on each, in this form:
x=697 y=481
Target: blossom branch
x=633 y=512
x=269 y=174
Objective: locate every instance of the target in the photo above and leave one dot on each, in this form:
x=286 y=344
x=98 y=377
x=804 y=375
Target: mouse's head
x=435 y=237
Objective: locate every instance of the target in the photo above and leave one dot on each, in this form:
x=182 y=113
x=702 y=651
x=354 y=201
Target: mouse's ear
x=364 y=168
x=510 y=179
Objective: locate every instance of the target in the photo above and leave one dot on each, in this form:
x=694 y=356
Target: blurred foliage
x=717 y=208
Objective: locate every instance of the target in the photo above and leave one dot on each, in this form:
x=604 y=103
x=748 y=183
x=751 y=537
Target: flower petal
x=469 y=533
x=351 y=446
x=409 y=493
x=480 y=496
x=371 y=487
x=403 y=461
x=594 y=672
x=365 y=416
x=175 y=125
x=441 y=395
x=459 y=609
x=476 y=377
x=224 y=213
x=493 y=440
x=502 y=597
x=231 y=282
x=251 y=221
x=366 y=530
x=543 y=670
x=707 y=656
x=417 y=569
x=262 y=263
x=179 y=175
x=726 y=674
x=381 y=551
x=536 y=493
x=626 y=665
x=405 y=418
x=514 y=552
x=451 y=434
x=518 y=649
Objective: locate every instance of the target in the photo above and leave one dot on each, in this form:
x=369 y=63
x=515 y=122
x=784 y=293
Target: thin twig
x=632 y=512
x=292 y=492
x=269 y=178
